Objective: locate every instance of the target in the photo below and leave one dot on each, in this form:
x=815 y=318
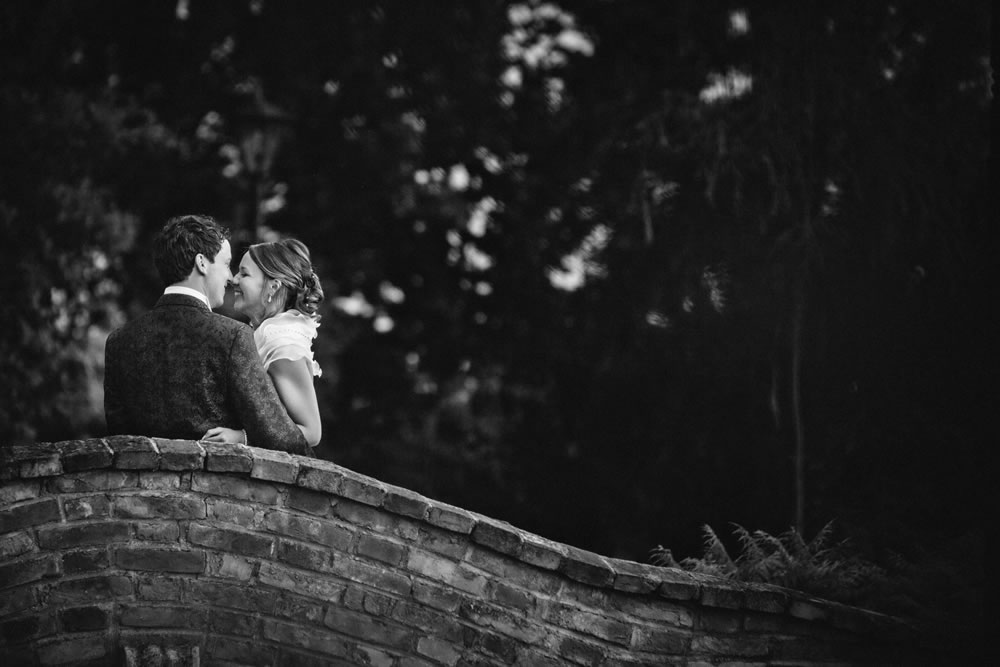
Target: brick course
x=132 y=548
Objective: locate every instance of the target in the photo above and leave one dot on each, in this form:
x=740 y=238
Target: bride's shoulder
x=288 y=322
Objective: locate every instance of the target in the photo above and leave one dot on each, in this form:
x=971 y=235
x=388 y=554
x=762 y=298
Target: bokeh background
x=608 y=270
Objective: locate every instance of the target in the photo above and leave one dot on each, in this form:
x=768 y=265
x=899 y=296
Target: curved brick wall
x=129 y=550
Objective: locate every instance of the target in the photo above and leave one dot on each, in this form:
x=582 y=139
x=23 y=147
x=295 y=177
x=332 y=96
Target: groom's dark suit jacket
x=180 y=369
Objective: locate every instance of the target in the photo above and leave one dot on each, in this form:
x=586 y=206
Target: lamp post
x=261 y=127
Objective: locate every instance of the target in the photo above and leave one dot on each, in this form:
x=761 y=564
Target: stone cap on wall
x=139 y=453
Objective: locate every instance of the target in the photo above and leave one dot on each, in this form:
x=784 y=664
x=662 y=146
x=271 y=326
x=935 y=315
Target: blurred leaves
x=564 y=245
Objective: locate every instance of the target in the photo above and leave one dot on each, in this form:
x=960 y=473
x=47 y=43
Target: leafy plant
x=819 y=566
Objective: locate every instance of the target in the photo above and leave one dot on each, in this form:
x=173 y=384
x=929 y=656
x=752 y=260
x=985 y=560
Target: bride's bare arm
x=294 y=382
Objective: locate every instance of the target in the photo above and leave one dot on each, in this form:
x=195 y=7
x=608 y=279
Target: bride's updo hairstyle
x=288 y=261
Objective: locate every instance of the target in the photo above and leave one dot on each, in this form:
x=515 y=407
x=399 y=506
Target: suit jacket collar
x=181 y=300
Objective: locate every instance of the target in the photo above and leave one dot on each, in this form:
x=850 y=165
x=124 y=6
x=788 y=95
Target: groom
x=180 y=369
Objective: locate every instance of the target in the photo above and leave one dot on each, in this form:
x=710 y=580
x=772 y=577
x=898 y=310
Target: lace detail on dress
x=288 y=335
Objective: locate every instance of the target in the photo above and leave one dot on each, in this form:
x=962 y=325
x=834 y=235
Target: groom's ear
x=201 y=264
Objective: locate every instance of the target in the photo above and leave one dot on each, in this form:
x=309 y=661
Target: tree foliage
x=609 y=271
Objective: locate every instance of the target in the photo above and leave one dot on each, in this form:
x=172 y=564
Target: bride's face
x=249 y=288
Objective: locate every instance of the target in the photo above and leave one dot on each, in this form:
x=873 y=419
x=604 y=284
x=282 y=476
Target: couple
x=181 y=371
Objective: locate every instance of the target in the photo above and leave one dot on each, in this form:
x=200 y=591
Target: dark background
x=574 y=280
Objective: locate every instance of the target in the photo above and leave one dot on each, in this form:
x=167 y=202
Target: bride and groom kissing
x=182 y=371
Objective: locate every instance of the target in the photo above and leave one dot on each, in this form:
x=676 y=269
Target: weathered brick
x=90 y=589
x=663 y=642
x=436 y=596
x=274 y=466
x=87 y=560
x=158 y=480
x=29 y=515
x=450 y=518
x=25 y=628
x=498 y=536
x=28 y=569
x=134 y=452
x=15 y=491
x=312 y=639
x=676 y=584
x=157 y=531
x=16 y=544
x=435 y=567
x=82 y=619
x=145 y=616
x=718 y=620
x=766 y=599
x=301 y=609
x=320 y=475
x=437 y=650
x=406 y=502
x=369 y=655
x=542 y=553
x=97 y=480
x=304 y=556
x=511 y=597
x=587 y=567
x=160 y=588
x=737 y=646
x=511 y=571
x=232 y=623
x=309 y=529
x=365 y=627
x=85 y=455
x=653 y=609
x=232 y=512
x=361 y=489
x=588 y=623
x=159 y=505
x=180 y=454
x=89 y=507
x=718 y=594
x=364 y=516
x=378 y=577
x=297 y=581
x=68 y=536
x=225 y=651
x=496 y=645
x=160 y=560
x=428 y=621
x=226 y=457
x=234 y=487
x=505 y=622
x=231 y=566
x=233 y=596
x=229 y=540
x=581 y=652
x=634 y=577
x=311 y=502
x=442 y=542
x=40 y=459
x=381 y=549
x=73 y=650
x=808 y=609
x=14 y=600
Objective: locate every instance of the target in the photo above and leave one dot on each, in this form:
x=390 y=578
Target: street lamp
x=261 y=127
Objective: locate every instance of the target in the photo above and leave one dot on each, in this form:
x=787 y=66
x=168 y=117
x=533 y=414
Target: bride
x=278 y=290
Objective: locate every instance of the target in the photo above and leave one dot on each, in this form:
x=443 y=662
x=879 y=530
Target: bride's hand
x=223 y=434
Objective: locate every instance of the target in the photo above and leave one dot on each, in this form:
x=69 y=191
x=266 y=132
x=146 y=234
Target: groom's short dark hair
x=181 y=240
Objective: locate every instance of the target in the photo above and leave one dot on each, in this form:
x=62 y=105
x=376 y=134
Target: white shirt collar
x=187 y=291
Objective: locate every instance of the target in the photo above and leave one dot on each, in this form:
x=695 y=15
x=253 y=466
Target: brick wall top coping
x=139 y=453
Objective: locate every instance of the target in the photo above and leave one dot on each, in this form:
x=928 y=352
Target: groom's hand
x=223 y=434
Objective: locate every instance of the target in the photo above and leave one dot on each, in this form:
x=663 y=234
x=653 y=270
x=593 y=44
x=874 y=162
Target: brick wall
x=131 y=550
